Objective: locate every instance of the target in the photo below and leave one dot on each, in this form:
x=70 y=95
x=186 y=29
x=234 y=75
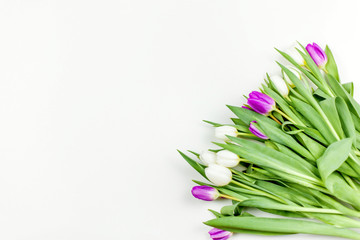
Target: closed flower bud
x=227 y=159
x=295 y=72
x=218 y=175
x=221 y=132
x=256 y=131
x=261 y=103
x=280 y=85
x=205 y=193
x=207 y=157
x=218 y=234
x=317 y=54
x=294 y=54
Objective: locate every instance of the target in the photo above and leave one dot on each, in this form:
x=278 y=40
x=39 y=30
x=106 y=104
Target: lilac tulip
x=317 y=54
x=218 y=234
x=205 y=193
x=256 y=131
x=261 y=103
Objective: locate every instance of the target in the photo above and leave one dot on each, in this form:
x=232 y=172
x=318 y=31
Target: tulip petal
x=205 y=193
x=256 y=131
x=317 y=54
x=261 y=96
x=260 y=102
x=218 y=234
x=259 y=106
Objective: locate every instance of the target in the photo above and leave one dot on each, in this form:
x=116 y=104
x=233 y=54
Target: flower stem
x=246 y=134
x=259 y=191
x=284 y=115
x=230 y=197
x=274 y=118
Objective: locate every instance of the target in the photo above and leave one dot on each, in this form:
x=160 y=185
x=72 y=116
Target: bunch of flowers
x=292 y=150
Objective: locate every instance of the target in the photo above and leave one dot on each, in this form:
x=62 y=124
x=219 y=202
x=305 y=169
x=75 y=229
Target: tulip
x=295 y=72
x=227 y=159
x=218 y=234
x=295 y=55
x=221 y=132
x=207 y=157
x=205 y=193
x=261 y=103
x=256 y=131
x=280 y=85
x=317 y=54
x=218 y=175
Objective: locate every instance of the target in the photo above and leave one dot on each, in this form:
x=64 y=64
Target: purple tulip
x=205 y=193
x=317 y=54
x=256 y=131
x=261 y=103
x=218 y=234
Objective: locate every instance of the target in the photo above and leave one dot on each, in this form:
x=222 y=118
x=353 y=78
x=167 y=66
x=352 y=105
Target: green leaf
x=347 y=123
x=313 y=133
x=331 y=66
x=349 y=87
x=339 y=90
x=314 y=117
x=241 y=127
x=303 y=70
x=340 y=189
x=312 y=65
x=271 y=204
x=329 y=108
x=277 y=135
x=356 y=121
x=247 y=115
x=216 y=214
x=236 y=224
x=228 y=210
x=315 y=148
x=197 y=166
x=283 y=104
x=333 y=157
x=264 y=156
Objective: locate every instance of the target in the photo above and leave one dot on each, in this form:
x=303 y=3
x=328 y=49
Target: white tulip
x=227 y=159
x=294 y=54
x=207 y=157
x=218 y=175
x=280 y=85
x=221 y=132
x=295 y=72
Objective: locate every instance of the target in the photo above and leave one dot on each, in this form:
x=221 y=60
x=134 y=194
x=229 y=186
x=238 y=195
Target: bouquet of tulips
x=292 y=150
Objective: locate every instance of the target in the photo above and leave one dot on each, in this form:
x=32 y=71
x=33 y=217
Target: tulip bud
x=295 y=72
x=227 y=159
x=317 y=54
x=256 y=131
x=218 y=234
x=280 y=85
x=207 y=157
x=295 y=55
x=221 y=132
x=261 y=103
x=205 y=193
x=218 y=175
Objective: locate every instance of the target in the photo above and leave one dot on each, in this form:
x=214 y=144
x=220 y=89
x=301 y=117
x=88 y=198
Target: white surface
x=95 y=96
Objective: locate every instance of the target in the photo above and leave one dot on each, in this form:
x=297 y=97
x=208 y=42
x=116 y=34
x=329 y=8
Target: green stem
x=259 y=191
x=285 y=115
x=229 y=197
x=246 y=134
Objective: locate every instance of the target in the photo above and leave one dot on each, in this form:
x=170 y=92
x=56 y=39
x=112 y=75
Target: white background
x=96 y=96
